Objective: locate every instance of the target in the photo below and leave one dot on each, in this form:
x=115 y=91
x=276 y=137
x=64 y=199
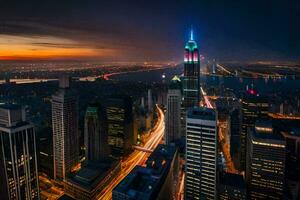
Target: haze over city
x=139 y=31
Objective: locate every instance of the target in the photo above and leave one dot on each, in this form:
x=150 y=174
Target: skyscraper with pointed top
x=191 y=78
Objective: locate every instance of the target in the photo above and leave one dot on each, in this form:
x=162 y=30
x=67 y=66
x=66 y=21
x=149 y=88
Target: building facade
x=91 y=181
x=253 y=108
x=235 y=126
x=120 y=125
x=18 y=158
x=201 y=154
x=95 y=134
x=65 y=130
x=173 y=115
x=265 y=171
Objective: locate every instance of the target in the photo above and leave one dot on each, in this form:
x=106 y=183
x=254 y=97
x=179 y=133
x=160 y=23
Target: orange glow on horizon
x=26 y=48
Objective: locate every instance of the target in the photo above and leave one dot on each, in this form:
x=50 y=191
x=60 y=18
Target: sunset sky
x=147 y=30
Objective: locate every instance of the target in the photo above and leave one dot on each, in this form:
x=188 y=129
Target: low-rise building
x=155 y=181
x=89 y=182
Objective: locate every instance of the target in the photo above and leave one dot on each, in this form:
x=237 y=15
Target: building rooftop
x=175 y=83
x=265 y=131
x=91 y=174
x=145 y=182
x=12 y=116
x=162 y=152
x=201 y=113
x=139 y=184
x=10 y=106
x=226 y=103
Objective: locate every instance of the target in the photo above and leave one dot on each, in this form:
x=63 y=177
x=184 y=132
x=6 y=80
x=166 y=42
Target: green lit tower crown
x=191 y=78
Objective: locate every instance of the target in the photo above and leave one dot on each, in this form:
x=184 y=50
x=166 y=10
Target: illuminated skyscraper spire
x=191 y=79
x=192 y=34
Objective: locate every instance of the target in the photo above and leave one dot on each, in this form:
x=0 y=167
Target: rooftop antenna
x=192 y=34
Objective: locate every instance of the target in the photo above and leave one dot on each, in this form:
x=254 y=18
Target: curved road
x=137 y=157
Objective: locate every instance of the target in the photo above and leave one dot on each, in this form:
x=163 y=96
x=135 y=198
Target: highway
x=137 y=157
x=206 y=99
x=222 y=68
x=107 y=76
x=85 y=78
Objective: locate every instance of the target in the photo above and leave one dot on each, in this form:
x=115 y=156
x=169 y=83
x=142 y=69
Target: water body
x=264 y=86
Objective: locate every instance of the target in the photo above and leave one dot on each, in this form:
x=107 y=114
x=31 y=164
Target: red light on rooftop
x=251 y=91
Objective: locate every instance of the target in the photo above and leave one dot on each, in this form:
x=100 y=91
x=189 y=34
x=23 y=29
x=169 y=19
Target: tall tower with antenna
x=191 y=78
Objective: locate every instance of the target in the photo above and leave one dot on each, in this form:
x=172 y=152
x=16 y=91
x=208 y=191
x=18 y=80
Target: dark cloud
x=228 y=30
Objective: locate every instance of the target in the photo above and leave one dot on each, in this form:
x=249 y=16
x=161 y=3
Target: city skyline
x=149 y=100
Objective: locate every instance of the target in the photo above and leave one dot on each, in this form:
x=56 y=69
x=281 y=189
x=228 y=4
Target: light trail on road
x=137 y=157
x=224 y=69
x=206 y=100
x=107 y=76
x=180 y=194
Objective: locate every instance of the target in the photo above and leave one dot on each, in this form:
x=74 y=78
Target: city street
x=138 y=157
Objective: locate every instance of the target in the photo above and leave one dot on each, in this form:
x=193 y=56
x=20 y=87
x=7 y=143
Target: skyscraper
x=291 y=133
x=191 y=77
x=265 y=162
x=253 y=108
x=235 y=124
x=173 y=128
x=95 y=134
x=201 y=154
x=65 y=130
x=120 y=125
x=18 y=159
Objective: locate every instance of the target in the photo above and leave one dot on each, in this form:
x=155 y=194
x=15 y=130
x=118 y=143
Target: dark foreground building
x=91 y=179
x=155 y=181
x=231 y=186
x=120 y=125
x=253 y=108
x=265 y=171
x=18 y=160
x=95 y=133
